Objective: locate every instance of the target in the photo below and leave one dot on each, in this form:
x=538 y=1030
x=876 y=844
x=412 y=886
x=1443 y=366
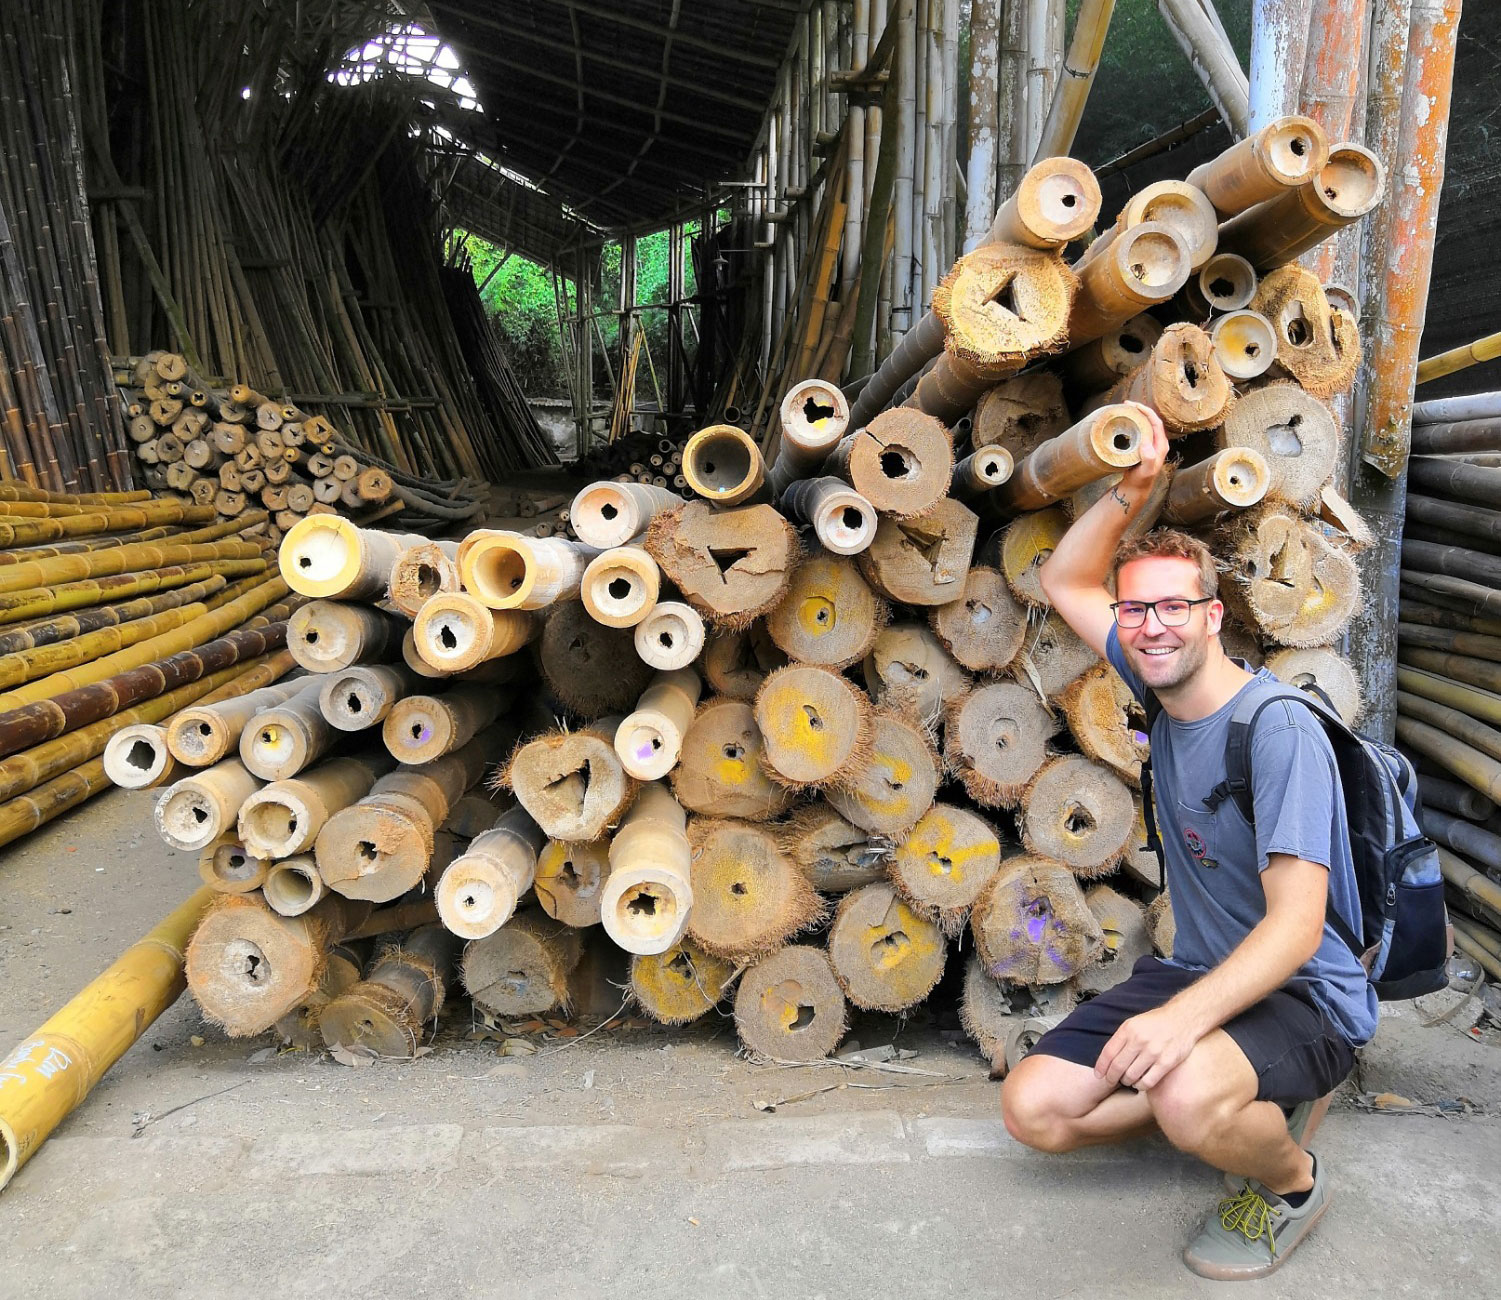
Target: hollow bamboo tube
x=1245 y=344
x=58 y=569
x=1231 y=479
x=280 y=741
x=479 y=890
x=283 y=818
x=1057 y=201
x=1454 y=797
x=203 y=806
x=196 y=632
x=136 y=757
x=421 y=571
x=293 y=886
x=1174 y=204
x=1225 y=283
x=1464 y=668
x=1475 y=769
x=387 y=1012
x=382 y=846
x=456 y=631
x=814 y=416
x=982 y=470
x=607 y=514
x=327 y=636
x=52 y=1071
x=649 y=740
x=24 y=492
x=363 y=695
x=723 y=465
x=646 y=899
x=204 y=733
x=327 y=557
x=1103 y=362
x=1142 y=267
x=64 y=627
x=1479 y=645
x=227 y=867
x=620 y=586
x=18 y=606
x=23 y=666
x=508 y=571
x=843 y=520
x=524 y=968
x=1276 y=232
x=421 y=728
x=1101 y=443
x=670 y=636
x=1283 y=155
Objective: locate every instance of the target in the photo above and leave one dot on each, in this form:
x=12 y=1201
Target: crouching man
x=1227 y=1046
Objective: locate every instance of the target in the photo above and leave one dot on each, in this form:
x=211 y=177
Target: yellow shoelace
x=1249 y=1214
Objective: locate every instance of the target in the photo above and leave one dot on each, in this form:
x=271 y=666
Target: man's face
x=1165 y=657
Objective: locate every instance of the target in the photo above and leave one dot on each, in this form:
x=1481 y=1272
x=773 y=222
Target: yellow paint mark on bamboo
x=818 y=615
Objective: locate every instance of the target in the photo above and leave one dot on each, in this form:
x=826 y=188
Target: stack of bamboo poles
x=227 y=449
x=795 y=741
x=116 y=610
x=1449 y=653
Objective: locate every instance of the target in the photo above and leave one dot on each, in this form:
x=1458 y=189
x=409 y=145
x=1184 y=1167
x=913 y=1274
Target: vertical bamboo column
x=904 y=73
x=985 y=94
x=1279 y=42
x=1394 y=324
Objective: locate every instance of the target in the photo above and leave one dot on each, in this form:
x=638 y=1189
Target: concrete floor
x=642 y=1161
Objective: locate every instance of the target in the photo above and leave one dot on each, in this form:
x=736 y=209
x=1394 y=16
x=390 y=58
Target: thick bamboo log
x=328 y=557
x=1092 y=367
x=680 y=985
x=1317 y=344
x=421 y=728
x=719 y=773
x=1463 y=837
x=136 y=757
x=283 y=819
x=589 y=668
x=456 y=632
x=1225 y=283
x=1463 y=668
x=1179 y=206
x=1476 y=645
x=829 y=615
x=227 y=867
x=885 y=956
x=1283 y=155
x=48 y=1076
x=1475 y=769
x=1295 y=434
x=610 y=514
x=204 y=733
x=1296 y=586
x=1057 y=201
x=790 y=1007
x=730 y=565
x=649 y=740
x=1281 y=230
x=814 y=417
x=843 y=520
x=1245 y=345
x=1323 y=667
x=1142 y=267
x=1454 y=797
x=1231 y=479
x=670 y=636
x=327 y=636
x=896 y=783
x=1101 y=443
x=1032 y=925
x=387 y=1012
x=647 y=898
x=901 y=462
x=1078 y=813
x=571 y=782
x=480 y=890
x=280 y=741
x=523 y=969
x=363 y=696
x=204 y=805
x=723 y=465
x=421 y=572
x=925 y=560
x=620 y=586
x=815 y=726
x=508 y=571
x=982 y=628
x=1451 y=721
x=569 y=878
x=945 y=864
x=1182 y=381
x=1467 y=880
x=749 y=897
x=1475 y=701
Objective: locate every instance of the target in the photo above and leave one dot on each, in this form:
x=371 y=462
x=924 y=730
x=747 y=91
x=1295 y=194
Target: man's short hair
x=1170 y=544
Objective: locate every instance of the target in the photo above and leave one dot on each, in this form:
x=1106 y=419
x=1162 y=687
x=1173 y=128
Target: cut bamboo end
x=1225 y=283
x=843 y=520
x=326 y=556
x=789 y=1006
x=569 y=878
x=1107 y=722
x=1142 y=267
x=647 y=898
x=945 y=864
x=724 y=465
x=885 y=956
x=990 y=1011
x=1294 y=433
x=719 y=770
x=1106 y=440
x=1032 y=925
x=1282 y=155
x=736 y=663
x=1057 y=201
x=909 y=671
x=199 y=808
x=293 y=886
x=995 y=741
x=731 y=565
x=1093 y=367
x=283 y=819
x=1233 y=479
x=1324 y=667
x=456 y=631
x=421 y=728
x=609 y=514
x=571 y=782
x=814 y=416
x=1317 y=345
x=749 y=898
x=680 y=985
x=834 y=854
x=1079 y=813
x=1181 y=207
x=1024 y=411
x=896 y=782
x=387 y=1013
x=1000 y=306
x=650 y=739
x=326 y=636
x=1161 y=924
x=984 y=627
x=363 y=696
x=1123 y=923
x=620 y=586
x=421 y=572
x=1026 y=545
x=286 y=738
x=815 y=726
x=829 y=615
x=1245 y=344
x=227 y=867
x=202 y=734
x=590 y=668
x=901 y=462
x=508 y=571
x=523 y=968
x=299 y=1028
x=137 y=758
x=923 y=560
x=1182 y=381
x=979 y=472
x=670 y=636
x=480 y=890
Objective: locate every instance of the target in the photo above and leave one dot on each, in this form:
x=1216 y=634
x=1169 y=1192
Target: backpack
x=1403 y=941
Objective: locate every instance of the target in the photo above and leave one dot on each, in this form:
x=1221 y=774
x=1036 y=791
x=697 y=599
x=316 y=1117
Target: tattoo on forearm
x=1125 y=505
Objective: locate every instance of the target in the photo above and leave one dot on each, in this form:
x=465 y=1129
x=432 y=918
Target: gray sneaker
x=1251 y=1233
x=1297 y=1123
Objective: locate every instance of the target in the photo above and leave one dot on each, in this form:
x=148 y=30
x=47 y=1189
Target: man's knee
x=1029 y=1106
x=1193 y=1103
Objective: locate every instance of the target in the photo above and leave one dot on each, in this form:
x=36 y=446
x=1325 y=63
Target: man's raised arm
x=1075 y=575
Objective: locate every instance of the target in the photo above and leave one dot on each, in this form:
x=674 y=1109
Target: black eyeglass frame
x=1149 y=606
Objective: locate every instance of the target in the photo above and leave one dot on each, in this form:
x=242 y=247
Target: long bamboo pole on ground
x=32 y=603
x=123 y=559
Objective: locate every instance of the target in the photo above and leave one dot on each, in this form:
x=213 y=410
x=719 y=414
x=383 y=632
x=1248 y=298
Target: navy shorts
x=1296 y=1050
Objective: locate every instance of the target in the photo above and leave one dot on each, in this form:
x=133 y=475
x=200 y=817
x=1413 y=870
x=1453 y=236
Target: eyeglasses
x=1172 y=612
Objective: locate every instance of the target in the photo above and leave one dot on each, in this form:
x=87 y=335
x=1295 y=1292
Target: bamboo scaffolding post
x=1212 y=58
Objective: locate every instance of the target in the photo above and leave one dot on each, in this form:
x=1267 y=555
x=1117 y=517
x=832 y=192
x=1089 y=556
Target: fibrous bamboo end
x=1079 y=813
x=1298 y=588
x=592 y=669
x=789 y=1006
x=730 y=565
x=719 y=772
x=901 y=462
x=945 y=864
x=834 y=854
x=909 y=671
x=995 y=740
x=896 y=783
x=736 y=663
x=1161 y=925
x=829 y=615
x=1021 y=413
x=1324 y=667
x=1318 y=346
x=1123 y=921
x=815 y=726
x=571 y=783
x=1003 y=304
x=923 y=560
x=1032 y=925
x=748 y=897
x=680 y=985
x=570 y=876
x=984 y=628
x=1026 y=546
x=885 y=956
x=523 y=968
x=1293 y=431
x=1107 y=721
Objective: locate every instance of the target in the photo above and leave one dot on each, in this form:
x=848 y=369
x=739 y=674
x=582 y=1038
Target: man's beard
x=1167 y=672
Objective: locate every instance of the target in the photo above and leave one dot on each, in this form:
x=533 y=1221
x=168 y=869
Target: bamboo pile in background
x=1449 y=654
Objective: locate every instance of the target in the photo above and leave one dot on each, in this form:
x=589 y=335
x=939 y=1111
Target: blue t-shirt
x=1215 y=859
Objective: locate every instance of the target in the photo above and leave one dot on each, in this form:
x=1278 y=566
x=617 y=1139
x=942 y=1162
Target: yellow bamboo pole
x=196 y=632
x=21 y=492
x=23 y=606
x=51 y=1071
x=121 y=559
x=64 y=627
x=15 y=531
x=1457 y=359
x=26 y=665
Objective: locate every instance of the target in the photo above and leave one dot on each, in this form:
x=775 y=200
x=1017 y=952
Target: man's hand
x=1147 y=1048
x=1153 y=453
